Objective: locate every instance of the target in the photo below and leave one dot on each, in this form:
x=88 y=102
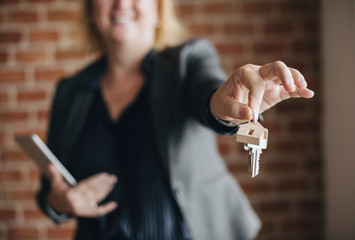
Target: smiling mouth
x=122 y=20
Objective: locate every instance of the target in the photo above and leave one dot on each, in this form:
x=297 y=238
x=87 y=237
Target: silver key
x=254 y=136
x=254 y=158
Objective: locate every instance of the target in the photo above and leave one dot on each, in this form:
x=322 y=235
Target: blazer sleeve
x=42 y=195
x=204 y=77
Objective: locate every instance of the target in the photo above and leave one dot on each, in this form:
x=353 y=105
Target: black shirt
x=126 y=148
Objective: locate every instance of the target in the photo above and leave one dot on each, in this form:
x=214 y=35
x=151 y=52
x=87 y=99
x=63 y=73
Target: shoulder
x=81 y=79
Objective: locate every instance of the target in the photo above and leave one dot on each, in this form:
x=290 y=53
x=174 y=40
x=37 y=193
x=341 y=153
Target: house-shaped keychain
x=253 y=133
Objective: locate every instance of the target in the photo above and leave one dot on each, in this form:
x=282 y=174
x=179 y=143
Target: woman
x=135 y=126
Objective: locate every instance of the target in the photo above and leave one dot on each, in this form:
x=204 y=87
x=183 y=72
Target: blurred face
x=125 y=21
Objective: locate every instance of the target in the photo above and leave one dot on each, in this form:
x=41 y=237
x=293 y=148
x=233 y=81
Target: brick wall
x=40 y=42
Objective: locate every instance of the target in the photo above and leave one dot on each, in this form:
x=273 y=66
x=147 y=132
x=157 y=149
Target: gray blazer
x=183 y=80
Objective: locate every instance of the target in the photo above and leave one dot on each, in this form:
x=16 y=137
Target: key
x=254 y=158
x=254 y=136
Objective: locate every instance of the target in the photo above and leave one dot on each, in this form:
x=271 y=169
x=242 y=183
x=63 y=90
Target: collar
x=146 y=69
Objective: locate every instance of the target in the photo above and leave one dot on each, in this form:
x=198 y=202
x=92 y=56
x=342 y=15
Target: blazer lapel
x=76 y=120
x=80 y=108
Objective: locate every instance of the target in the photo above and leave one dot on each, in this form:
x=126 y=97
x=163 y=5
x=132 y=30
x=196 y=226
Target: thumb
x=228 y=108
x=239 y=111
x=55 y=176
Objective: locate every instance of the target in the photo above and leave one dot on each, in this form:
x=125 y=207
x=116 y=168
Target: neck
x=125 y=59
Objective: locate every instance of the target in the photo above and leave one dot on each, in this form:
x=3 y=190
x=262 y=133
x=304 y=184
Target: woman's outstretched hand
x=252 y=89
x=82 y=199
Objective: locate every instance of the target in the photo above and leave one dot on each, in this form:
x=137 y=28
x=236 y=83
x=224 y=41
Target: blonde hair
x=169 y=32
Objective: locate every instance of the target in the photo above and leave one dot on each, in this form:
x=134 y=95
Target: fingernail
x=246 y=113
x=113 y=178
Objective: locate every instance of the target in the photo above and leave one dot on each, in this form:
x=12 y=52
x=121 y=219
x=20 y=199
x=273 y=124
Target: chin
x=123 y=38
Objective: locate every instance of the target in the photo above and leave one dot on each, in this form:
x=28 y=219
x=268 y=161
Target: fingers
x=98 y=186
x=300 y=92
x=55 y=176
x=102 y=209
x=279 y=70
x=298 y=78
x=85 y=196
x=251 y=78
x=239 y=111
x=226 y=105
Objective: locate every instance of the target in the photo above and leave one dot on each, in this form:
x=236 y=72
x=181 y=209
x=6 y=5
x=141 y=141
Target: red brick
x=310 y=26
x=43 y=115
x=3 y=57
x=13 y=116
x=278 y=28
x=305 y=47
x=9 y=175
x=269 y=48
x=274 y=206
x=13 y=155
x=2 y=137
x=218 y=8
x=186 y=10
x=33 y=214
x=230 y=48
x=24 y=17
x=238 y=28
x=286 y=146
x=30 y=56
x=3 y=97
x=291 y=106
x=12 y=76
x=255 y=187
x=201 y=29
x=313 y=165
x=40 y=1
x=35 y=174
x=61 y=232
x=49 y=74
x=44 y=36
x=294 y=7
x=8 y=2
x=7 y=214
x=31 y=96
x=22 y=233
x=308 y=126
x=293 y=185
x=302 y=225
x=224 y=149
x=237 y=167
x=10 y=37
x=259 y=8
x=62 y=15
x=279 y=166
x=70 y=54
x=310 y=205
x=21 y=195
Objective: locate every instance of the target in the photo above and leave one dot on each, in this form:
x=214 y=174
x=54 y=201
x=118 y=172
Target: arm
x=56 y=198
x=204 y=77
x=250 y=90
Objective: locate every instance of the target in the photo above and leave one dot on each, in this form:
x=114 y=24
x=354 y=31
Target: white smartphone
x=42 y=155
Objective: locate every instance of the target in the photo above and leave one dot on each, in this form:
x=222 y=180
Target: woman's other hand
x=82 y=199
x=252 y=89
